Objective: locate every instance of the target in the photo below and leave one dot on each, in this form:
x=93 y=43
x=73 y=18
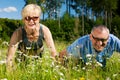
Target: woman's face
x=99 y=39
x=31 y=21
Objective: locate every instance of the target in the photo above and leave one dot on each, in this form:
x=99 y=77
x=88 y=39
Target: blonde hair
x=30 y=8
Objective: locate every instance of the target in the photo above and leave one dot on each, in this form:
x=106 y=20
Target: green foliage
x=65 y=29
x=99 y=21
x=116 y=26
x=7 y=27
x=0 y=28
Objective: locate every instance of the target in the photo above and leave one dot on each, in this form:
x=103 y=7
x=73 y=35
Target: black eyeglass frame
x=100 y=39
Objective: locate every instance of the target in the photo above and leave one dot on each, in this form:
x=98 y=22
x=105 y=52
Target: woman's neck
x=32 y=34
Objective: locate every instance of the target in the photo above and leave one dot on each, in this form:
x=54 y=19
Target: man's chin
x=99 y=50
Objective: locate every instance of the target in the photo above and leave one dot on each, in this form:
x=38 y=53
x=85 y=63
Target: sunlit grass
x=46 y=68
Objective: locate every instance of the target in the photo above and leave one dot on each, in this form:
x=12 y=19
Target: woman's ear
x=22 y=20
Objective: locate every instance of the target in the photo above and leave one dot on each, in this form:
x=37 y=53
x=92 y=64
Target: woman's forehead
x=32 y=13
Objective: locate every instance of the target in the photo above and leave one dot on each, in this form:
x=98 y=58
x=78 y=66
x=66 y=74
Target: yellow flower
x=82 y=78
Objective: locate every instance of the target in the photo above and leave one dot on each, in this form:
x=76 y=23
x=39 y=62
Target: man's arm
x=63 y=53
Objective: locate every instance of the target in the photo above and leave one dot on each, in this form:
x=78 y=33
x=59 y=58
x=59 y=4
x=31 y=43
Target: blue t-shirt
x=83 y=46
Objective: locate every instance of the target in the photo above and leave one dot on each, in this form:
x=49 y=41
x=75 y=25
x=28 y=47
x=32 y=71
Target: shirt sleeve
x=74 y=48
x=117 y=44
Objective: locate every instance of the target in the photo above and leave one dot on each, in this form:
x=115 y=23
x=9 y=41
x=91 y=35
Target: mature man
x=99 y=43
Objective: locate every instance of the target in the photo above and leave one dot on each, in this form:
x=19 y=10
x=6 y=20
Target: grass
x=46 y=68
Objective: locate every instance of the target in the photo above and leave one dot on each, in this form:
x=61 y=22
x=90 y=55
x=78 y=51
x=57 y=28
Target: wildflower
x=3 y=61
x=89 y=57
x=82 y=78
x=20 y=52
x=75 y=68
x=19 y=60
x=4 y=79
x=61 y=74
x=118 y=60
x=46 y=70
x=52 y=64
x=28 y=48
x=84 y=68
x=34 y=57
x=62 y=79
x=114 y=75
x=88 y=63
x=99 y=64
x=108 y=78
x=5 y=43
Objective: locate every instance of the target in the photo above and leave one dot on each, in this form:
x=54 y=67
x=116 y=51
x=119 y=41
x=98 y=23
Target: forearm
x=52 y=49
x=50 y=43
x=53 y=52
x=63 y=53
x=10 y=56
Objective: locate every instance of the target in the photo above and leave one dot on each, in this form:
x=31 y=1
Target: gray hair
x=100 y=27
x=30 y=7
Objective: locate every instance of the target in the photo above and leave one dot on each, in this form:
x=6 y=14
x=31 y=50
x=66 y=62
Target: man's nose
x=99 y=42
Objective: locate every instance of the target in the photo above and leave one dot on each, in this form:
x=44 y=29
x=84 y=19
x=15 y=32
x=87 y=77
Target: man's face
x=99 y=39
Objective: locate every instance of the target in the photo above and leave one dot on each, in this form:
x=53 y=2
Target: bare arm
x=49 y=41
x=12 y=48
x=63 y=53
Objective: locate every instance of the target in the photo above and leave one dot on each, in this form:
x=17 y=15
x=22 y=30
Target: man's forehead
x=100 y=33
x=100 y=30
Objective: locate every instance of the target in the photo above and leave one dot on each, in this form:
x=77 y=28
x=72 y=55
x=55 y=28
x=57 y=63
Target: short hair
x=30 y=7
x=101 y=27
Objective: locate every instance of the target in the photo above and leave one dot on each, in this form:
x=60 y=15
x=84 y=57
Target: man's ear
x=90 y=36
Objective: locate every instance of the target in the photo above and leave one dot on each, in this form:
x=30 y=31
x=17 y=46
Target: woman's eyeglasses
x=100 y=39
x=31 y=18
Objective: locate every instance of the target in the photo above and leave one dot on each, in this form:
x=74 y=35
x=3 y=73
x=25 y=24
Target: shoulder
x=44 y=28
x=18 y=33
x=84 y=38
x=113 y=37
x=16 y=36
x=18 y=30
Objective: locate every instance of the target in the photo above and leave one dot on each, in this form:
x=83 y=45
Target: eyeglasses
x=31 y=18
x=100 y=39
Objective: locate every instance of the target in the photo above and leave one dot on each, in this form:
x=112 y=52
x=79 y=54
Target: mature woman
x=31 y=35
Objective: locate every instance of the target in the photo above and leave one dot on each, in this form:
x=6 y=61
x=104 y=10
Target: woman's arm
x=15 y=38
x=49 y=41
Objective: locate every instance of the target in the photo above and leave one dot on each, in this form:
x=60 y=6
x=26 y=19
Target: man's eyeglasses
x=100 y=39
x=31 y=18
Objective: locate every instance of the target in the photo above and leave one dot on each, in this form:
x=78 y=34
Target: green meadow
x=47 y=68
